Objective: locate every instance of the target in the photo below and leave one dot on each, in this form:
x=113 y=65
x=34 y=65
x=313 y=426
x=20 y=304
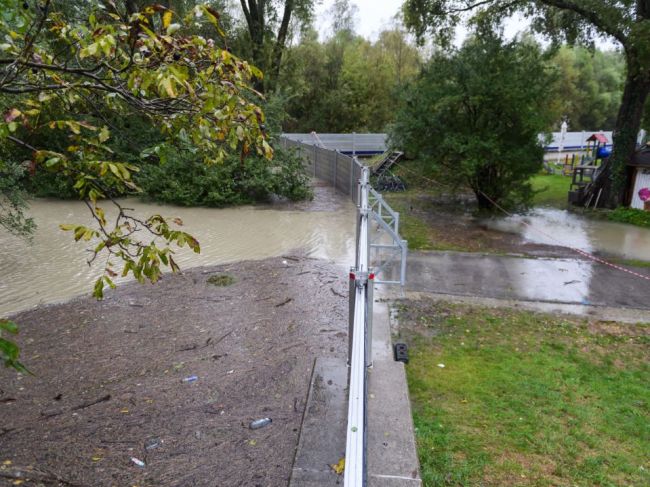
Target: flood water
x=560 y=227
x=53 y=267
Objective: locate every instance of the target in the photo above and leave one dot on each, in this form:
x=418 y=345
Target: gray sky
x=372 y=18
x=376 y=15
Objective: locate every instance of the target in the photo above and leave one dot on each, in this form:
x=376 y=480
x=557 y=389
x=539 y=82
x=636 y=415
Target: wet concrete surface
x=568 y=281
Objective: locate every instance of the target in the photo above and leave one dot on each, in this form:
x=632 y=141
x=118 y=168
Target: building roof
x=598 y=138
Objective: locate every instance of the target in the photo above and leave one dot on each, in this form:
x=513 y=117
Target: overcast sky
x=375 y=15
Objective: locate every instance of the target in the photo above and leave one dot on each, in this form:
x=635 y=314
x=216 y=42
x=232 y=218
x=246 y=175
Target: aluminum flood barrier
x=375 y=219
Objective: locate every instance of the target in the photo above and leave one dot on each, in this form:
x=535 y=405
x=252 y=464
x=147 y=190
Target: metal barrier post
x=351 y=300
x=336 y=164
x=405 y=249
x=315 y=158
x=369 y=302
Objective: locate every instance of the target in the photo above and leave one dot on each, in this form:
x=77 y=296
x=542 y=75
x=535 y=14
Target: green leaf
x=9 y=326
x=167 y=85
x=104 y=134
x=98 y=291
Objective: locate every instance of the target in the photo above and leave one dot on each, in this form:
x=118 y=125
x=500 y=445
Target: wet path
x=549 y=280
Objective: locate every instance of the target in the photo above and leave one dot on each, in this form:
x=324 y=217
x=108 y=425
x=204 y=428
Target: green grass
x=527 y=399
x=418 y=232
x=630 y=215
x=221 y=280
x=553 y=190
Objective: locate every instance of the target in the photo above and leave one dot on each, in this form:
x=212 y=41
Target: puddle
x=560 y=227
x=53 y=267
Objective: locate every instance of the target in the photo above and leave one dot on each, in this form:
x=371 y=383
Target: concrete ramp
x=322 y=436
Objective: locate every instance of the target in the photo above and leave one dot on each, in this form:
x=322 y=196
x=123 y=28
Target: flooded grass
x=527 y=399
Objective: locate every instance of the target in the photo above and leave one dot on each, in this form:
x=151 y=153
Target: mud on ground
x=109 y=379
x=452 y=225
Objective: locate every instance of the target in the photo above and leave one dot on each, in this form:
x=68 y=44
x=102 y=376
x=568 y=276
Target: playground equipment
x=587 y=184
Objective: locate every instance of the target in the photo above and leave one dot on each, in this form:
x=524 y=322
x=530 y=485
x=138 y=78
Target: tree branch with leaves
x=146 y=62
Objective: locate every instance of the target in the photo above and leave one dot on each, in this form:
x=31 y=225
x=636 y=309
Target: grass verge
x=421 y=235
x=527 y=399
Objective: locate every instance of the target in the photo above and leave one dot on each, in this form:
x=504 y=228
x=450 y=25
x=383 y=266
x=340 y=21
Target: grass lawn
x=527 y=399
x=554 y=190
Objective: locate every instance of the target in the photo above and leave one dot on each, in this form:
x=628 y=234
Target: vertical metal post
x=369 y=305
x=354 y=144
x=351 y=193
x=402 y=278
x=356 y=255
x=336 y=163
x=315 y=158
x=352 y=300
x=397 y=223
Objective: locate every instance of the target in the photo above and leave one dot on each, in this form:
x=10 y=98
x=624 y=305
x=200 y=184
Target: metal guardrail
x=350 y=177
x=360 y=342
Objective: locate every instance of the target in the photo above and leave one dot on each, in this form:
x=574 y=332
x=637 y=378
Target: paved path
x=568 y=281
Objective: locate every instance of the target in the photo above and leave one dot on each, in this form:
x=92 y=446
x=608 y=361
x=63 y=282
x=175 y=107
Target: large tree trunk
x=254 y=13
x=628 y=123
x=280 y=43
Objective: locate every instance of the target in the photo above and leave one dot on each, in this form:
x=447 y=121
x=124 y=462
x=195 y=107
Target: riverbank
x=171 y=375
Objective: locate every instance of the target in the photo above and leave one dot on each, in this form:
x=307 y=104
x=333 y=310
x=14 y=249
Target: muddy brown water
x=53 y=267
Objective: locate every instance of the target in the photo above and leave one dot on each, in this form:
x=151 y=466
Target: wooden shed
x=640 y=181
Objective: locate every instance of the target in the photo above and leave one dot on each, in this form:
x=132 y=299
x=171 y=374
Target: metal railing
x=350 y=177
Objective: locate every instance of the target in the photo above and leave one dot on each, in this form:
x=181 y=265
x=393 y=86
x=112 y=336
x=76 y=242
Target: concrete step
x=392 y=455
x=322 y=435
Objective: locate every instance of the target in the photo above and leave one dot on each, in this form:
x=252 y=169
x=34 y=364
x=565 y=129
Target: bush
x=630 y=215
x=180 y=178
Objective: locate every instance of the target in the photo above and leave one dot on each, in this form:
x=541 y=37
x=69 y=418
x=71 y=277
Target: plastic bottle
x=260 y=423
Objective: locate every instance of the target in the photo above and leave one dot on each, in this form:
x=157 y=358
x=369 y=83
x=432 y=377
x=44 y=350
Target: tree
x=263 y=18
x=475 y=116
x=149 y=64
x=346 y=83
x=576 y=21
x=591 y=88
